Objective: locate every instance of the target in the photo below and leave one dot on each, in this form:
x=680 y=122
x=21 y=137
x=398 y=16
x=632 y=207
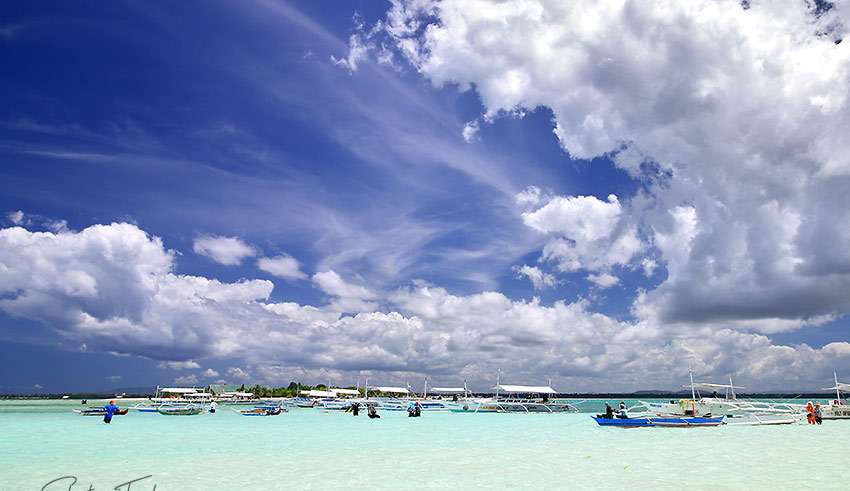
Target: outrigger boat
x=536 y=401
x=312 y=398
x=173 y=396
x=340 y=399
x=260 y=411
x=736 y=412
x=98 y=411
x=400 y=400
x=180 y=409
x=838 y=408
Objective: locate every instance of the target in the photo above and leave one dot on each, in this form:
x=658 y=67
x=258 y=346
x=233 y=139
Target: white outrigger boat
x=174 y=396
x=338 y=399
x=521 y=399
x=188 y=409
x=735 y=411
x=837 y=408
x=332 y=399
x=517 y=399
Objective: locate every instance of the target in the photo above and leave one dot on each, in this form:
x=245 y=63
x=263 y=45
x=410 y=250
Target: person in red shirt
x=810 y=413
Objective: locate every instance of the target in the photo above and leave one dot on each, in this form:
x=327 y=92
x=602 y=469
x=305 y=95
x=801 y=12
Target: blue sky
x=228 y=120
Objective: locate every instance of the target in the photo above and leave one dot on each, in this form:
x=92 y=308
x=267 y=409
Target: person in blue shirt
x=110 y=409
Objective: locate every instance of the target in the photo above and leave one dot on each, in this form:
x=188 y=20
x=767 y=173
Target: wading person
x=818 y=414
x=110 y=409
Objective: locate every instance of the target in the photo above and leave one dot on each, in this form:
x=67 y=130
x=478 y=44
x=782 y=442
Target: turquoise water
x=310 y=449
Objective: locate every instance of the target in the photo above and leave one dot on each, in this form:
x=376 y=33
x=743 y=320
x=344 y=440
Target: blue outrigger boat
x=663 y=422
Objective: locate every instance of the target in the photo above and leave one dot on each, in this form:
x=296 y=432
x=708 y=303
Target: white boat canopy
x=839 y=386
x=391 y=390
x=348 y=392
x=526 y=389
x=237 y=394
x=448 y=390
x=318 y=393
x=178 y=390
x=706 y=385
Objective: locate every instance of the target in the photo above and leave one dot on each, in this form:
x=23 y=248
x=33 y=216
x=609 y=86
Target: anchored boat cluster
x=696 y=411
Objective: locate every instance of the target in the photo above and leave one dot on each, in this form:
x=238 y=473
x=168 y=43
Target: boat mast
x=366 y=389
x=693 y=389
x=465 y=390
x=498 y=381
x=732 y=387
x=837 y=392
x=425 y=393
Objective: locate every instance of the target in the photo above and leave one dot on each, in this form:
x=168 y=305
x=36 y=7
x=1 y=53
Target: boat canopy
x=348 y=392
x=448 y=390
x=392 y=390
x=526 y=389
x=839 y=386
x=178 y=390
x=318 y=393
x=706 y=385
x=237 y=394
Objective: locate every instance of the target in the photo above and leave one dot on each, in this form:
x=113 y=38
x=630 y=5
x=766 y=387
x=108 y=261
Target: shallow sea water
x=311 y=449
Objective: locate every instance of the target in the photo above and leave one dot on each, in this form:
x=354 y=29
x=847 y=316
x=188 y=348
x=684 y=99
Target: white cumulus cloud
x=586 y=232
x=230 y=251
x=283 y=266
x=348 y=297
x=179 y=365
x=238 y=373
x=15 y=217
x=539 y=279
x=470 y=131
x=132 y=302
x=603 y=280
x=734 y=117
x=190 y=379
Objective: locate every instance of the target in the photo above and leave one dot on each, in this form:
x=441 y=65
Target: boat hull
x=666 y=422
x=260 y=412
x=623 y=422
x=98 y=412
x=837 y=411
x=686 y=422
x=183 y=411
